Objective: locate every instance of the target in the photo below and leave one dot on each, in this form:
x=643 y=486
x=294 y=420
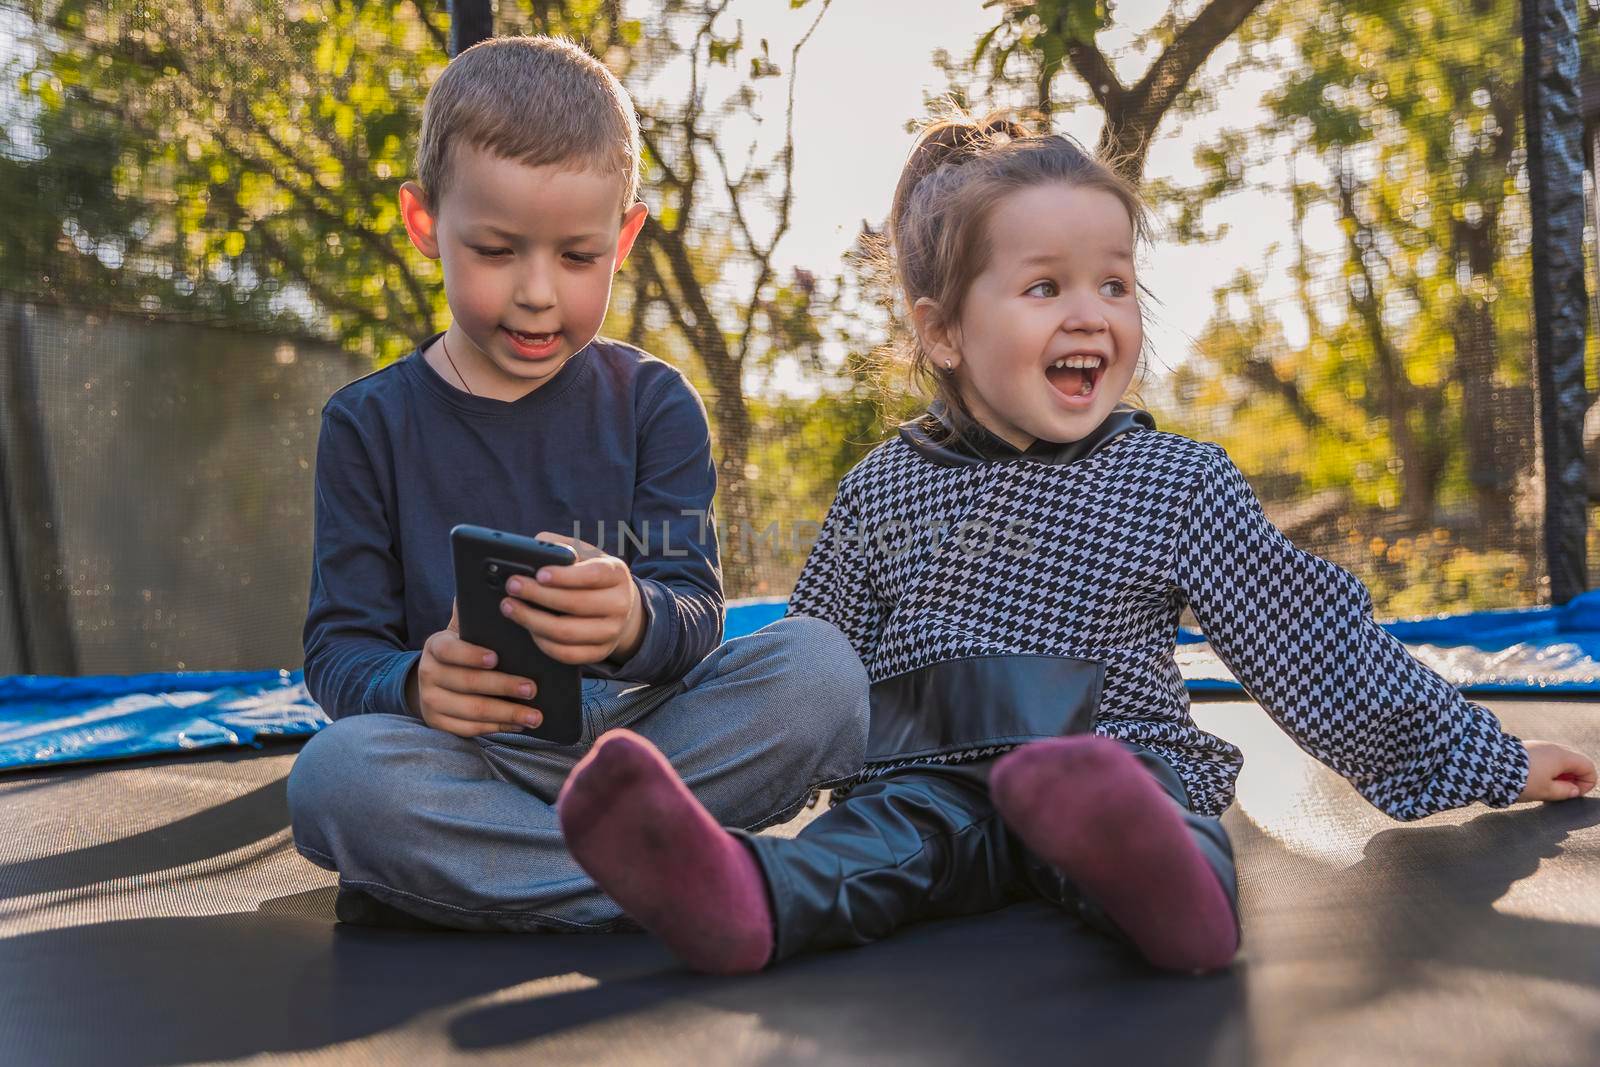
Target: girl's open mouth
x=533 y=345
x=1075 y=377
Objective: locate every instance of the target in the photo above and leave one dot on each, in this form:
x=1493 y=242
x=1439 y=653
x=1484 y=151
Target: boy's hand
x=1556 y=773
x=455 y=690
x=602 y=614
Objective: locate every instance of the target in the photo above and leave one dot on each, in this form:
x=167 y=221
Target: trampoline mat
x=156 y=913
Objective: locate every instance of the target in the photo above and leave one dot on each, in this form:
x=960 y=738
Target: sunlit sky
x=867 y=71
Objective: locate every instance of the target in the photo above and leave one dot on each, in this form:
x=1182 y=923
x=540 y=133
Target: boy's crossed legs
x=463 y=832
x=1081 y=821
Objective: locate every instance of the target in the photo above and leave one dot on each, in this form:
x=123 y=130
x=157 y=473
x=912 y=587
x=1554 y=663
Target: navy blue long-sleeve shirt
x=614 y=449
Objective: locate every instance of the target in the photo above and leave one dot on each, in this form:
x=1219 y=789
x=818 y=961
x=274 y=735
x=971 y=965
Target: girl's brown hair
x=937 y=238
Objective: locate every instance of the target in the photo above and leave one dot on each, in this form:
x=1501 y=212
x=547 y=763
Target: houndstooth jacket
x=935 y=556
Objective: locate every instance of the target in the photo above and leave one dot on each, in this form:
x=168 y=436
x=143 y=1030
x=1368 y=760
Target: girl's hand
x=601 y=613
x=1556 y=773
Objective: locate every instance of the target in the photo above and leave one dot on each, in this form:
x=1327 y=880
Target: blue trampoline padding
x=1522 y=651
x=51 y=720
x=751 y=614
x=1576 y=622
x=46 y=720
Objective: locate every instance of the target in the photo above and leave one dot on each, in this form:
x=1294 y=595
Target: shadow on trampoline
x=204 y=835
x=177 y=990
x=1472 y=937
x=1421 y=897
x=1462 y=872
x=1427 y=884
x=1025 y=982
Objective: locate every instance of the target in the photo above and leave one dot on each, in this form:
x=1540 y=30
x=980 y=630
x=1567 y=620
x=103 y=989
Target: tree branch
x=1388 y=359
x=690 y=120
x=664 y=292
x=325 y=297
x=763 y=256
x=733 y=196
x=1178 y=62
x=1261 y=373
x=440 y=38
x=379 y=243
x=705 y=331
x=646 y=135
x=642 y=273
x=1092 y=66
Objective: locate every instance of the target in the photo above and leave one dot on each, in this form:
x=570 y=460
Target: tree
x=1413 y=394
x=705 y=224
x=250 y=185
x=238 y=164
x=1414 y=113
x=1052 y=34
x=1411 y=400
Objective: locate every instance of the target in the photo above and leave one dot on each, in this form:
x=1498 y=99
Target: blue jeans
x=463 y=832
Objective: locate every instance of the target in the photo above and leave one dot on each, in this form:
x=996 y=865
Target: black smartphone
x=484 y=559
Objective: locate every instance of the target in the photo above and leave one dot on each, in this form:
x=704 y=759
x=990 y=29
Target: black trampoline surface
x=156 y=913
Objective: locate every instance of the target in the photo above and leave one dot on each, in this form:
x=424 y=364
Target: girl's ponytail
x=950 y=141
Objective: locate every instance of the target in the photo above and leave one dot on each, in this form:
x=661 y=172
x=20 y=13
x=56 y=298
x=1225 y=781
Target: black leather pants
x=925 y=842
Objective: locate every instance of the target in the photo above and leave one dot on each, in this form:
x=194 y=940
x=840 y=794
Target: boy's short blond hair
x=536 y=100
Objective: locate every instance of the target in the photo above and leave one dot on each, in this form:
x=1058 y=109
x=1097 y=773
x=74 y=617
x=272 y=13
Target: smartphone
x=484 y=559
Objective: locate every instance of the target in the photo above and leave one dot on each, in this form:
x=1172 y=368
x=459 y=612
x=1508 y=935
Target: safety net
x=199 y=242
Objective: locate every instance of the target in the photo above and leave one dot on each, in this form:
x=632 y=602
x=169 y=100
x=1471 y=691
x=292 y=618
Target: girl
x=1011 y=569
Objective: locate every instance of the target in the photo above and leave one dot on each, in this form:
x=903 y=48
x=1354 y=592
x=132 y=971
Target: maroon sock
x=1085 y=805
x=634 y=826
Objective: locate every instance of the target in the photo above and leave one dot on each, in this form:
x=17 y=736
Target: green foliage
x=1039 y=31
x=240 y=163
x=1412 y=396
x=237 y=163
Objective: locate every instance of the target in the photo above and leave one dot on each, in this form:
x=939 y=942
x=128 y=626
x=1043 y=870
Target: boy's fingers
x=583 y=548
x=568 y=601
x=469 y=682
x=459 y=653
x=485 y=709
x=455 y=619
x=565 y=629
x=596 y=572
x=576 y=655
x=470 y=728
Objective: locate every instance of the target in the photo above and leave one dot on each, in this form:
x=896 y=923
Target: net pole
x=471 y=21
x=1591 y=128
x=1560 y=302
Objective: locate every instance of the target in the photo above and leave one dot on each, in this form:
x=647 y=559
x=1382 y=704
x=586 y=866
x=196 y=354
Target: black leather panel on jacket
x=979 y=701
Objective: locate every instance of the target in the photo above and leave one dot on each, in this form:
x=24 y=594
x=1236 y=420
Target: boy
x=424 y=794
